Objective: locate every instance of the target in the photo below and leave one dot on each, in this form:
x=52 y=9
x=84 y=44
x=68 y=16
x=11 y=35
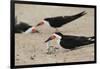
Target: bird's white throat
x=46 y=22
x=58 y=39
x=29 y=30
x=57 y=36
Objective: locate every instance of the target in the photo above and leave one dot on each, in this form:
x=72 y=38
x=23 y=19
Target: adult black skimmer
x=59 y=21
x=70 y=41
x=23 y=27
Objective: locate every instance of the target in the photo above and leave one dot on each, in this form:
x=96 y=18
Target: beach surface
x=30 y=48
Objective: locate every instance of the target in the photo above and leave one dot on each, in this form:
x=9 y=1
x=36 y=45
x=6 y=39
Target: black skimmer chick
x=71 y=42
x=59 y=21
x=24 y=28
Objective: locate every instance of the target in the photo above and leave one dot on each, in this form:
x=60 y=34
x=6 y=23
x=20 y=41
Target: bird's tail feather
x=79 y=15
x=74 y=17
x=92 y=39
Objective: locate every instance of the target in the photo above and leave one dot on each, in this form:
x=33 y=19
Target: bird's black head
x=58 y=33
x=55 y=35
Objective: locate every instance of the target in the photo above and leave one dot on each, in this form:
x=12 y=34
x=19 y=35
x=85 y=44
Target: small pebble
x=17 y=54
x=17 y=59
x=24 y=61
x=34 y=55
x=32 y=58
x=48 y=53
x=41 y=50
x=64 y=59
x=23 y=46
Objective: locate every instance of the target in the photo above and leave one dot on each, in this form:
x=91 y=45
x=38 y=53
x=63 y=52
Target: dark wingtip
x=83 y=13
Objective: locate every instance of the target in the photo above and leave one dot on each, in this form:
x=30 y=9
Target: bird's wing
x=74 y=38
x=56 y=21
x=54 y=18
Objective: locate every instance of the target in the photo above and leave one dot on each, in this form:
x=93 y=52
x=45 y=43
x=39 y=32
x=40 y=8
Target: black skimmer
x=59 y=21
x=25 y=28
x=71 y=42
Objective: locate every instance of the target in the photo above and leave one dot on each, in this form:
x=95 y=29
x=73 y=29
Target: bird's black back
x=61 y=20
x=70 y=42
x=56 y=21
x=22 y=27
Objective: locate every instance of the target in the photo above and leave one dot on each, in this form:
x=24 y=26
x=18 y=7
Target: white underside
x=29 y=30
x=46 y=23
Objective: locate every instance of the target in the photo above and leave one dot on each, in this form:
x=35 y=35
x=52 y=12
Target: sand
x=31 y=49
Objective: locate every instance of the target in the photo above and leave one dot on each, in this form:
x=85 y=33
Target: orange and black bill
x=50 y=38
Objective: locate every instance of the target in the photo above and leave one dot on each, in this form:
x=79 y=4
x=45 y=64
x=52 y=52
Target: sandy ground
x=31 y=49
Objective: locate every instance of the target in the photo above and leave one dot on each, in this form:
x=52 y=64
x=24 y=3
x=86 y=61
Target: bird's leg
x=50 y=48
x=57 y=30
x=57 y=47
